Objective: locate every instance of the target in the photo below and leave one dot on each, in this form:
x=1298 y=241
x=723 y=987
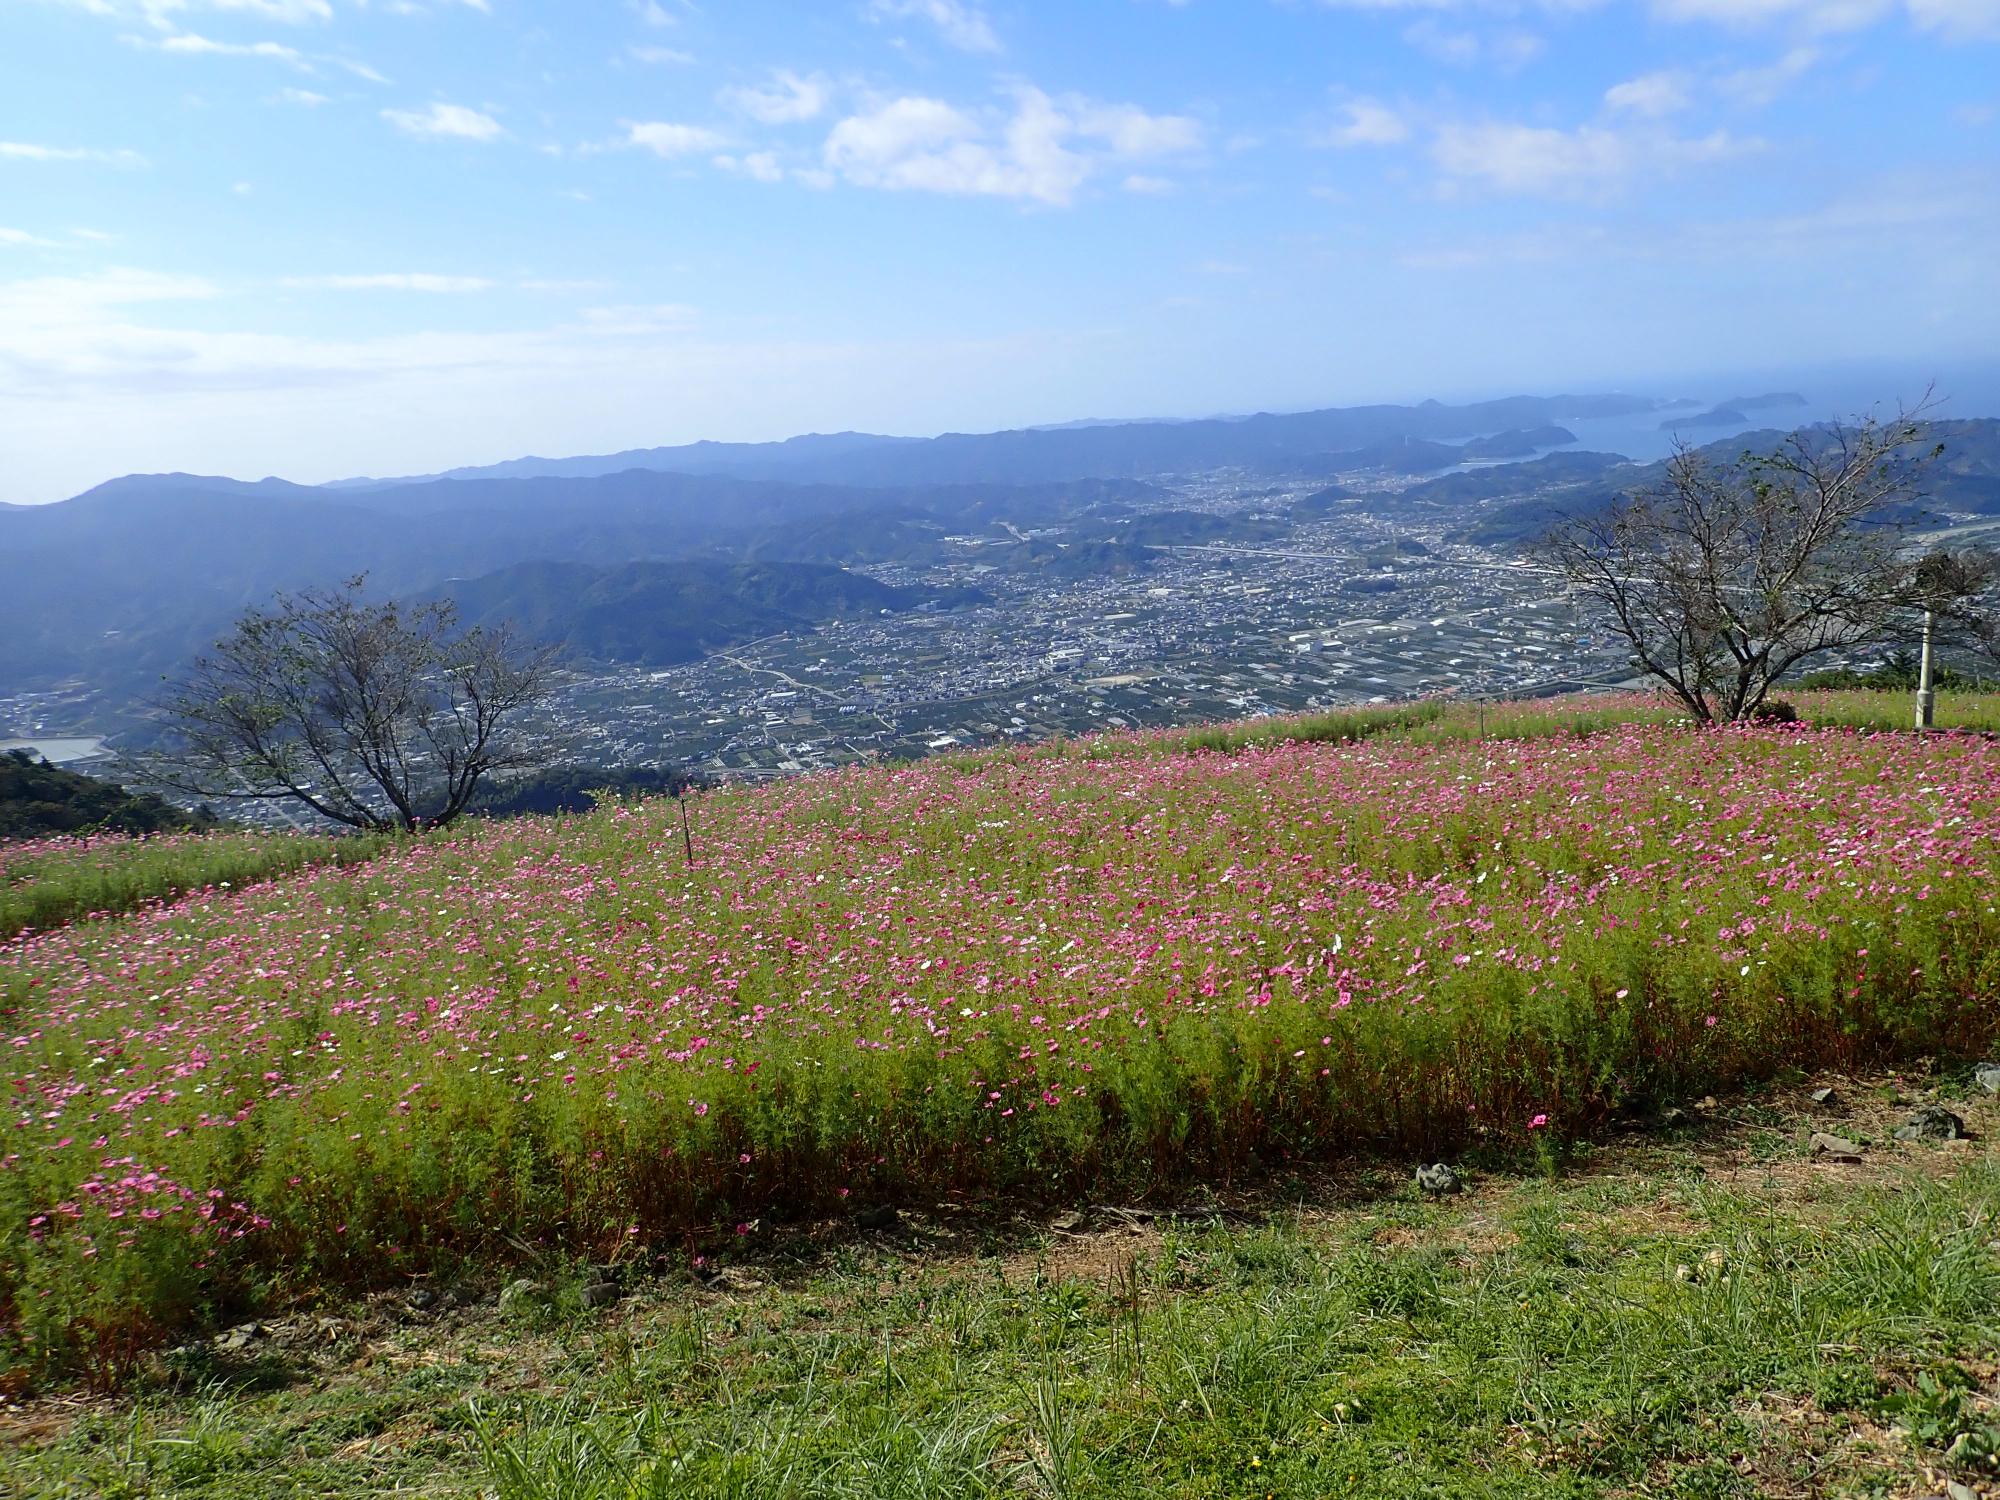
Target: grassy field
x=1108 y=968
x=46 y=883
x=1696 y=1309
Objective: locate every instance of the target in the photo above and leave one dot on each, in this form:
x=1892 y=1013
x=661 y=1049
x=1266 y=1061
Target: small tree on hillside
x=376 y=715
x=1725 y=578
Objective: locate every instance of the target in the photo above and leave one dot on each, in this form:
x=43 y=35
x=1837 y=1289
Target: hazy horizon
x=1834 y=393
x=316 y=238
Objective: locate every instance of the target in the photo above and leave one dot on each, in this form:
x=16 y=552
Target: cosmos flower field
x=1104 y=968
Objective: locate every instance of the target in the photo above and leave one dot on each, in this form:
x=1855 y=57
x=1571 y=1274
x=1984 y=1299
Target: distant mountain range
x=1074 y=451
x=630 y=559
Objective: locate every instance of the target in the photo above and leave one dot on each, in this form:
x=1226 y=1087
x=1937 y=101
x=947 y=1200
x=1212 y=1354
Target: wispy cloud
x=646 y=52
x=190 y=44
x=786 y=98
x=1508 y=49
x=758 y=166
x=30 y=151
x=1652 y=95
x=1368 y=122
x=160 y=13
x=1954 y=20
x=961 y=24
x=445 y=122
x=1941 y=216
x=401 y=281
x=1588 y=161
x=668 y=140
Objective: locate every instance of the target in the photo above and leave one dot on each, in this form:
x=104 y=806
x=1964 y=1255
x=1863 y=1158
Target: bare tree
x=376 y=715
x=1724 y=578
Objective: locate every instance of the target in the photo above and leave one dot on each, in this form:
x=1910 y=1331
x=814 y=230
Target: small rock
x=521 y=1293
x=1439 y=1177
x=1834 y=1147
x=1068 y=1223
x=1715 y=1260
x=735 y=1279
x=881 y=1216
x=1933 y=1122
x=601 y=1294
x=1672 y=1115
x=1959 y=1491
x=239 y=1337
x=1987 y=1075
x=1825 y=1098
x=1685 y=1273
x=422 y=1298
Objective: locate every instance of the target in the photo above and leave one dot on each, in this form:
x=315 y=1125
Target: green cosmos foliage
x=1105 y=965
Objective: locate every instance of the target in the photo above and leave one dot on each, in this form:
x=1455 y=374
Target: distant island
x=1518 y=442
x=1735 y=412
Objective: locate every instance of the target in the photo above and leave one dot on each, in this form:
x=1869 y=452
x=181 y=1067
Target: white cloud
x=57 y=302
x=759 y=166
x=414 y=281
x=1652 y=95
x=30 y=151
x=1044 y=152
x=304 y=97
x=1139 y=182
x=160 y=13
x=1591 y=160
x=1509 y=50
x=1369 y=123
x=1955 y=20
x=21 y=239
x=962 y=25
x=1492 y=7
x=294 y=12
x=445 y=122
x=188 y=44
x=1814 y=15
x=1941 y=216
x=1758 y=87
x=647 y=53
x=1960 y=20
x=633 y=320
x=668 y=140
x=786 y=99
x=1131 y=132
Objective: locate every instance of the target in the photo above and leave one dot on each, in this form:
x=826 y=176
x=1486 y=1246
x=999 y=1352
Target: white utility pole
x=1926 y=697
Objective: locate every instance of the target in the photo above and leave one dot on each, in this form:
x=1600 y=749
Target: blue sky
x=330 y=237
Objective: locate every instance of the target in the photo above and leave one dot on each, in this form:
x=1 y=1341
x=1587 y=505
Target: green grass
x=50 y=882
x=1444 y=719
x=1708 y=1315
